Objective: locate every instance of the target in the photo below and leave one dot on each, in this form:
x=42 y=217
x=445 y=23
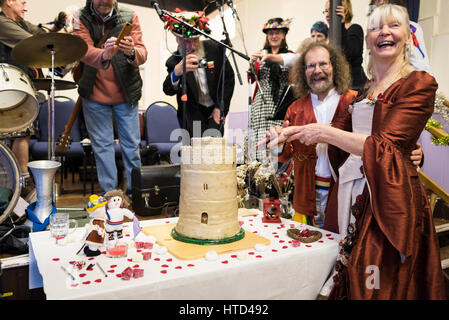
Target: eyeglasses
x=323 y=66
x=325 y=11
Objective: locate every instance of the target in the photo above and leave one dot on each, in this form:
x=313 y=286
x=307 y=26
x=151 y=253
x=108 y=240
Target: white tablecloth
x=281 y=271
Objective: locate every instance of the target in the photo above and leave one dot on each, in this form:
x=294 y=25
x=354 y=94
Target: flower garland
x=196 y=19
x=441 y=141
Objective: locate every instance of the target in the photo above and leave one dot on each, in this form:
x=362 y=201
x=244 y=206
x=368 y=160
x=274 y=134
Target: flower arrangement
x=196 y=19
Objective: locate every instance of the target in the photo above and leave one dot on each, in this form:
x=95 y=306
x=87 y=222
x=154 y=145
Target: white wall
x=433 y=19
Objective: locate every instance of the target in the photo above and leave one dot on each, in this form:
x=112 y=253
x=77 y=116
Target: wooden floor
x=72 y=194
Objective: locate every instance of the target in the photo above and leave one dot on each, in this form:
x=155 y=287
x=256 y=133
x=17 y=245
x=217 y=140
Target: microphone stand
x=335 y=22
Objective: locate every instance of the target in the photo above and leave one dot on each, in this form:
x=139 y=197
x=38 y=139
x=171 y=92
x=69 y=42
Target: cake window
x=204 y=218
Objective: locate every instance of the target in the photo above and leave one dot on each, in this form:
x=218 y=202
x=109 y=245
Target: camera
x=202 y=63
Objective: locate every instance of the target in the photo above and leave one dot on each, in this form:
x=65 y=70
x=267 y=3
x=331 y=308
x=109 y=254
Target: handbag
x=155 y=189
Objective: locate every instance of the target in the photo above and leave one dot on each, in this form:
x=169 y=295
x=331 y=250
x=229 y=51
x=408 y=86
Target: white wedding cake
x=208 y=208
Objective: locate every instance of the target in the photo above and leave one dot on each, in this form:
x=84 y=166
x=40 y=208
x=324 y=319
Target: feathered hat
x=277 y=23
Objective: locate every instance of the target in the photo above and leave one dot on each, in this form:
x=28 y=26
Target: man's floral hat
x=196 y=19
x=277 y=23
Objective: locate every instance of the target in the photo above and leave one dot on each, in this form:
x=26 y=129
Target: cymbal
x=35 y=51
x=45 y=84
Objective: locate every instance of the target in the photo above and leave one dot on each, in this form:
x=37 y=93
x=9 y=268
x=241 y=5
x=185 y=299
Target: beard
x=322 y=86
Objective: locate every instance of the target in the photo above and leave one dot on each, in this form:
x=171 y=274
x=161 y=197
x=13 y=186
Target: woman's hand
x=256 y=57
x=416 y=156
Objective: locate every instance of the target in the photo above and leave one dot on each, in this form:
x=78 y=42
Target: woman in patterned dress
x=272 y=80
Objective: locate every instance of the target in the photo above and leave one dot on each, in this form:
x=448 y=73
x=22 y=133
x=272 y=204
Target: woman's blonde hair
x=388 y=13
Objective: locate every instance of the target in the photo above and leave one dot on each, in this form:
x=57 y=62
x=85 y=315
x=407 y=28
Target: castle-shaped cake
x=208 y=208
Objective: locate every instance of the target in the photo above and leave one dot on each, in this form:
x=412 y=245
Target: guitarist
x=111 y=86
x=13 y=29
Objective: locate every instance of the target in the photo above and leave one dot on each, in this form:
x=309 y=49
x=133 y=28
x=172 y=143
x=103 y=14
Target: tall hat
x=95 y=202
x=277 y=23
x=196 y=19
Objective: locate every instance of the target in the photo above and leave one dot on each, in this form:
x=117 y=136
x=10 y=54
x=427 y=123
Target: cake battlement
x=209 y=151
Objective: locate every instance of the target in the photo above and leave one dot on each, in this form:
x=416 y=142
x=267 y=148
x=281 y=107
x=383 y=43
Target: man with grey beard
x=204 y=114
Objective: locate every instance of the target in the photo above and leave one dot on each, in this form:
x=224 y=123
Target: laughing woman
x=390 y=250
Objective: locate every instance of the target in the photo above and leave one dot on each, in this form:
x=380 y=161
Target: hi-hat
x=35 y=51
x=45 y=84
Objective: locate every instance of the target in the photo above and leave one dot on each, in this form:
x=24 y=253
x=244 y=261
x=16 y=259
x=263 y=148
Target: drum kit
x=19 y=108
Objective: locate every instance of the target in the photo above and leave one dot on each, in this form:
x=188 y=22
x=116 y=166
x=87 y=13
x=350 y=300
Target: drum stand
x=51 y=109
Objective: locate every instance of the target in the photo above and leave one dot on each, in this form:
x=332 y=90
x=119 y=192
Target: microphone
x=231 y=5
x=155 y=5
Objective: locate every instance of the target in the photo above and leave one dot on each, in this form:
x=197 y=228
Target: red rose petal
x=255 y=231
x=328 y=235
x=169 y=260
x=284 y=247
x=167 y=221
x=265 y=225
x=225 y=262
x=274 y=250
x=82 y=275
x=103 y=252
x=234 y=256
x=111 y=271
x=178 y=267
x=55 y=259
x=251 y=253
x=114 y=266
x=164 y=266
x=91 y=259
x=73 y=285
x=127 y=235
x=98 y=280
x=72 y=262
x=321 y=241
x=259 y=256
x=331 y=238
x=119 y=275
x=190 y=265
x=164 y=271
x=86 y=282
x=308 y=246
x=281 y=241
x=157 y=259
x=136 y=266
x=130 y=260
x=276 y=236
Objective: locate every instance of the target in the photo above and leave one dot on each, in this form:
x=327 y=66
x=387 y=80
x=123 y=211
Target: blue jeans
x=98 y=118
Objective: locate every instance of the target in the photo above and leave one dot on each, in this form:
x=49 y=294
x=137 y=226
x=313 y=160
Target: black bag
x=155 y=188
x=149 y=156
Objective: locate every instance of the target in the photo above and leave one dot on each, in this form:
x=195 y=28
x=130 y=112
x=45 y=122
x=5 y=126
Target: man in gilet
x=111 y=86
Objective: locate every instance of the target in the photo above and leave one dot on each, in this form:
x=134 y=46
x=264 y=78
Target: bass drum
x=9 y=181
x=18 y=102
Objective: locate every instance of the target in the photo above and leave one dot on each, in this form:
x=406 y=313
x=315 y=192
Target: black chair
x=160 y=122
x=39 y=148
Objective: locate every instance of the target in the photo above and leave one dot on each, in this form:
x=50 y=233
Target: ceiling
x=170 y=5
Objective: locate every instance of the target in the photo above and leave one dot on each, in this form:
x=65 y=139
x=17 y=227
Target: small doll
x=116 y=209
x=96 y=228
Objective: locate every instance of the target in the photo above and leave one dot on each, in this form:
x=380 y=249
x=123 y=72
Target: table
x=281 y=271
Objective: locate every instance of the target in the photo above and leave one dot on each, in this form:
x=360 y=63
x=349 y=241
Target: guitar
x=64 y=140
